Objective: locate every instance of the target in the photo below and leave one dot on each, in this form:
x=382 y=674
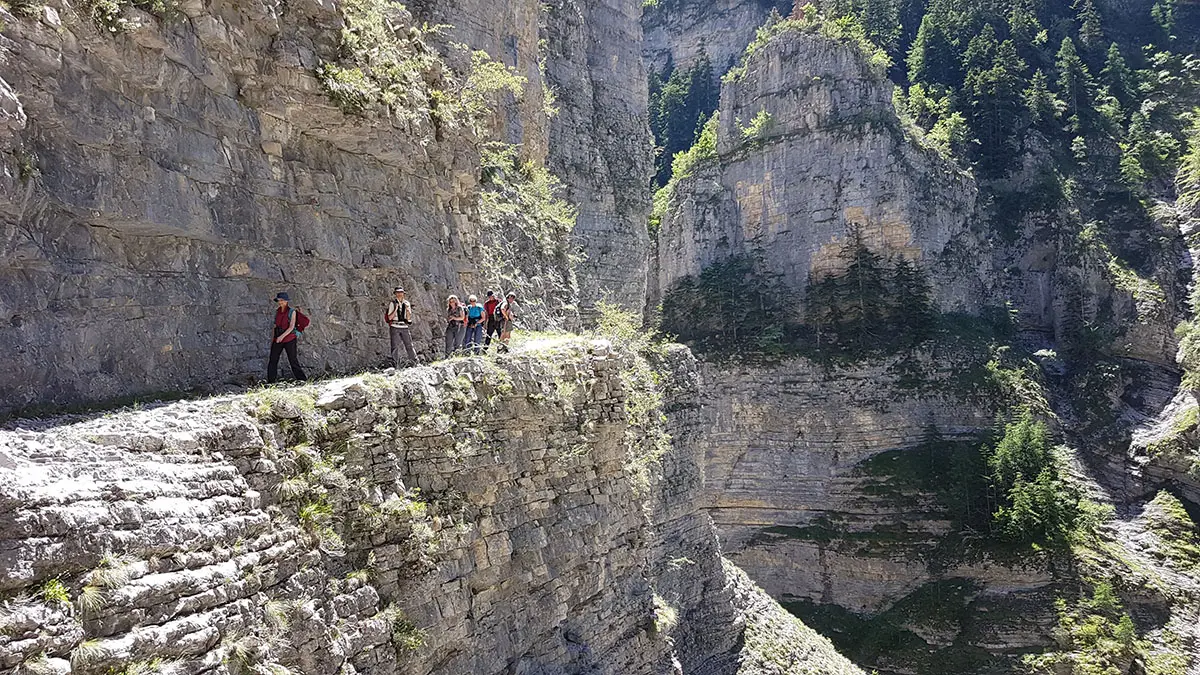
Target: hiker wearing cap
x=510 y=310
x=475 y=318
x=399 y=319
x=284 y=339
x=456 y=325
x=490 y=307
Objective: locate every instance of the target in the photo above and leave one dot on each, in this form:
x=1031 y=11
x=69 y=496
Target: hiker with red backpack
x=399 y=318
x=289 y=323
x=493 y=322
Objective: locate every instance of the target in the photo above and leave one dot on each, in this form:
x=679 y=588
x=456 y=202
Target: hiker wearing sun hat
x=288 y=324
x=399 y=319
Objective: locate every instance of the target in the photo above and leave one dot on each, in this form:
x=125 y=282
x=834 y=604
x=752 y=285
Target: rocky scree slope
x=167 y=170
x=478 y=516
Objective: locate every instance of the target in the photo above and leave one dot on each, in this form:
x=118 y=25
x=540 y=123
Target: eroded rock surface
x=827 y=154
x=473 y=517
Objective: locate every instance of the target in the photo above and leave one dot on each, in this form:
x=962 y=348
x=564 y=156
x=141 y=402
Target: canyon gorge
x=858 y=336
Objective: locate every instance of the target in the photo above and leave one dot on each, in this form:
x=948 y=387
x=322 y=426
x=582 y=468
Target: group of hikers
x=470 y=328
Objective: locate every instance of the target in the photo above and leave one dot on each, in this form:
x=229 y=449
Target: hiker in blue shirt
x=475 y=318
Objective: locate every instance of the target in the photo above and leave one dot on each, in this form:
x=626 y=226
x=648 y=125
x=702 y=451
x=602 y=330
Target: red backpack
x=301 y=322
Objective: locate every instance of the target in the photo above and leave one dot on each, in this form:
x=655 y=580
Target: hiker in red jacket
x=284 y=340
x=489 y=311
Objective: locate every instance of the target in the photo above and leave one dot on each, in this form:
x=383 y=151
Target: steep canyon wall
x=475 y=517
x=808 y=149
x=163 y=179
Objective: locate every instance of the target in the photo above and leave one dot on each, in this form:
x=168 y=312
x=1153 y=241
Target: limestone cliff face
x=471 y=518
x=809 y=147
x=679 y=31
x=584 y=64
x=600 y=142
x=163 y=181
x=785 y=480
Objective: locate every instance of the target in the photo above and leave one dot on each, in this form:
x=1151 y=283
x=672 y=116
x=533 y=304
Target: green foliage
x=109 y=15
x=316 y=515
x=702 y=151
x=406 y=636
x=53 y=592
x=113 y=572
x=953 y=471
x=378 y=65
x=646 y=438
x=861 y=305
x=1095 y=636
x=730 y=307
x=525 y=195
x=1187 y=180
x=680 y=102
x=1035 y=503
x=895 y=636
x=1108 y=111
x=91 y=600
x=386 y=63
x=88 y=653
x=872 y=302
x=758 y=127
x=844 y=28
x=1177 y=535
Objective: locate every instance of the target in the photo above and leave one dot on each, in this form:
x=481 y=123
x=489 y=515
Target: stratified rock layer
x=471 y=518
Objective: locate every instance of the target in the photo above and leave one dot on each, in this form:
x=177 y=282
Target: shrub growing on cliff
x=1035 y=503
x=846 y=29
x=53 y=592
x=1095 y=636
x=646 y=436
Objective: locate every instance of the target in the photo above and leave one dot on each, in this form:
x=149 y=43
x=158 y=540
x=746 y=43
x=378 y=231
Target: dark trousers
x=493 y=328
x=402 y=339
x=278 y=348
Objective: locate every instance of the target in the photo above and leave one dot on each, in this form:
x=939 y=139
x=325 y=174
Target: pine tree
x=981 y=50
x=678 y=108
x=1075 y=85
x=862 y=287
x=881 y=20
x=996 y=105
x=1024 y=27
x=912 y=307
x=1117 y=76
x=1090 y=30
x=932 y=58
x=1163 y=13
x=1041 y=104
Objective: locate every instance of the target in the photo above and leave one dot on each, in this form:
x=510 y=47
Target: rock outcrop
x=600 y=143
x=474 y=517
x=679 y=31
x=164 y=177
x=809 y=148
